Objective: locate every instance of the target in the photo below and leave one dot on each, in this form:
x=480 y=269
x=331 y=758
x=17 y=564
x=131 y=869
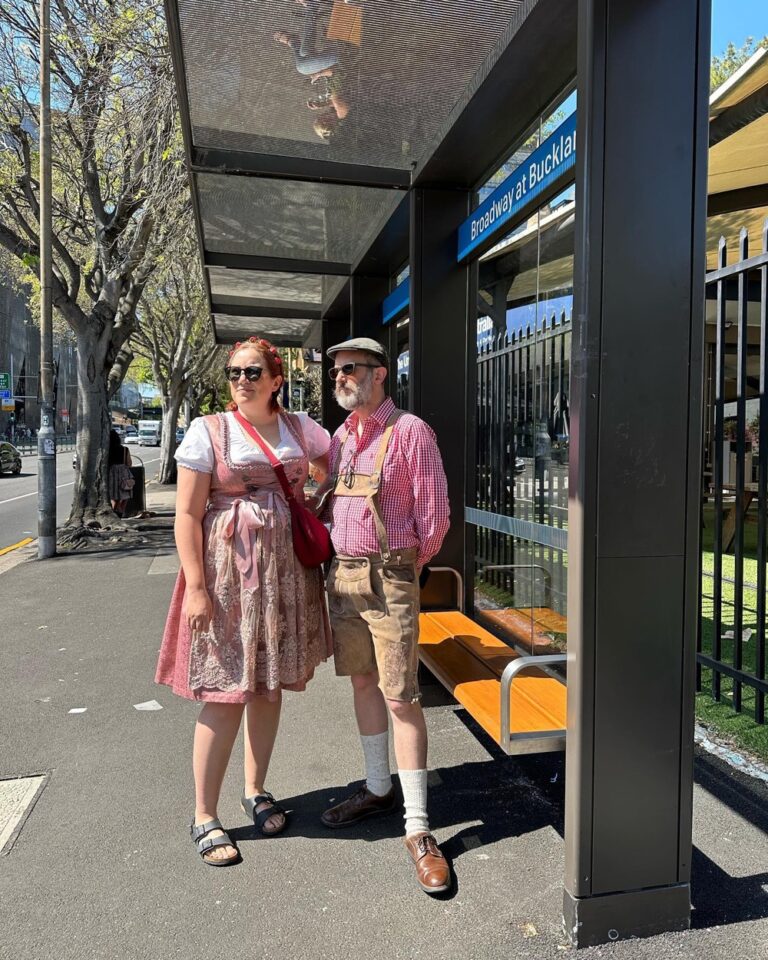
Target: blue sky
x=736 y=20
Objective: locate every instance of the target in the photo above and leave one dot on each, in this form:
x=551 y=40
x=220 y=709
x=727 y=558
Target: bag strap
x=273 y=460
x=340 y=453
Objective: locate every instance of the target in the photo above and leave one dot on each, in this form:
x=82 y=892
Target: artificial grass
x=739 y=729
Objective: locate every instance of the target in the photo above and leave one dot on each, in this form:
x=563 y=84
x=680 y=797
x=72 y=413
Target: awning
x=738 y=154
x=293 y=180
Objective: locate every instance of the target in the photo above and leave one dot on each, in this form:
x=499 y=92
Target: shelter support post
x=334 y=329
x=438 y=343
x=365 y=297
x=635 y=465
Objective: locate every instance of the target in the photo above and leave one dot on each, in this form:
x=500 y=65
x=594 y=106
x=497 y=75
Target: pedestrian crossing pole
x=46 y=435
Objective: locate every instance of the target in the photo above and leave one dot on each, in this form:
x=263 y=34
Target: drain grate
x=18 y=796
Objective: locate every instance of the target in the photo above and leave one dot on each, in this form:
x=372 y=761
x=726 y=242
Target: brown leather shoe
x=361 y=804
x=433 y=874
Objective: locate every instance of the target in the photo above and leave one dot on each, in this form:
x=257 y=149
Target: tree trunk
x=171 y=407
x=90 y=500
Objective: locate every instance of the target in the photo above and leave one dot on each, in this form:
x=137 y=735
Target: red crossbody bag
x=311 y=539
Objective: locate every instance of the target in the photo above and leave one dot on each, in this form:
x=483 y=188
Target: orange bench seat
x=470 y=662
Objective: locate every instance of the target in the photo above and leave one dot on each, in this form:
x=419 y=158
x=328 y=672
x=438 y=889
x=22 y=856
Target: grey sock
x=414 y=784
x=378 y=776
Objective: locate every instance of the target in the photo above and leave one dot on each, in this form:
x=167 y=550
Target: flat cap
x=361 y=343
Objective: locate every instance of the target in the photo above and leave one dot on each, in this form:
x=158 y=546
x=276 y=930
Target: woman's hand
x=198 y=609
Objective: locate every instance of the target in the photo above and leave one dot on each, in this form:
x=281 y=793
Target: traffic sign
x=5 y=381
x=7 y=405
x=5 y=394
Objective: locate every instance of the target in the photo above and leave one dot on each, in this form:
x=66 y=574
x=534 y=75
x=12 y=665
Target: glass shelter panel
x=284 y=218
x=385 y=75
x=403 y=364
x=520 y=514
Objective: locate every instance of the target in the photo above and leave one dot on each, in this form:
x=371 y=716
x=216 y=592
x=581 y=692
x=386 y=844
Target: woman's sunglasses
x=252 y=374
x=349 y=368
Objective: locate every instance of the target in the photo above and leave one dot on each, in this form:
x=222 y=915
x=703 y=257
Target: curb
x=18 y=555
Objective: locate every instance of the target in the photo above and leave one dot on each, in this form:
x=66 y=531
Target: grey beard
x=358 y=397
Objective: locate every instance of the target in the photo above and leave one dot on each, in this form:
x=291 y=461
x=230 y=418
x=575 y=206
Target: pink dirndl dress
x=269 y=629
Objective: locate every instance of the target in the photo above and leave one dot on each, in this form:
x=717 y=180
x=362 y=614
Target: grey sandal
x=199 y=833
x=249 y=805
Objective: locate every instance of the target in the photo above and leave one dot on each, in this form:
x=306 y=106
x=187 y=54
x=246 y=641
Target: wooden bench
x=516 y=702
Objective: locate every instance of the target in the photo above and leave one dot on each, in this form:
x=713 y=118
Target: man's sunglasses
x=349 y=368
x=252 y=374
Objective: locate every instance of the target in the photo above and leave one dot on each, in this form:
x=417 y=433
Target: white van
x=149 y=433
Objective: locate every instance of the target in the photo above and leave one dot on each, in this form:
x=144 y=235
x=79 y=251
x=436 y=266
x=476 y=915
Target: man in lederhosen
x=389 y=513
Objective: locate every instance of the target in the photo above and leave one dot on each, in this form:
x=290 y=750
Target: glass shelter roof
x=304 y=121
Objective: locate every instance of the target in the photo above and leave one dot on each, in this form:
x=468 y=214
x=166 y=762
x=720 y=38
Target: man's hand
x=317 y=501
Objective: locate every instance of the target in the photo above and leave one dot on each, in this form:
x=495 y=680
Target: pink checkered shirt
x=413 y=495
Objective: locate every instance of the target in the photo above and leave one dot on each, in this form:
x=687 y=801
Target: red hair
x=272 y=361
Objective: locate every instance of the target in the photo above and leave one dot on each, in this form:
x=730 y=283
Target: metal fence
x=731 y=649
x=522 y=459
x=28 y=447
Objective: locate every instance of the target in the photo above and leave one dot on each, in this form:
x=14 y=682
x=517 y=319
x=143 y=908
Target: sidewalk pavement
x=104 y=868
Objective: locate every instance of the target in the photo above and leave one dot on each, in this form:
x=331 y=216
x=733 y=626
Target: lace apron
x=269 y=629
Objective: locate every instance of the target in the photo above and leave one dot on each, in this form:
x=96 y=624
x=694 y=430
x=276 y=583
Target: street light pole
x=46 y=435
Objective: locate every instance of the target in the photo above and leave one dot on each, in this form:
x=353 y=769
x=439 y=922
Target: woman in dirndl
x=247 y=619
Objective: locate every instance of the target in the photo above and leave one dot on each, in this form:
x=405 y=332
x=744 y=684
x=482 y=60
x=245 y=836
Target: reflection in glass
x=352 y=82
x=523 y=429
x=400 y=393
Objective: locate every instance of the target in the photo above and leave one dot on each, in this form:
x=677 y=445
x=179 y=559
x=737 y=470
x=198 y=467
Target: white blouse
x=196 y=449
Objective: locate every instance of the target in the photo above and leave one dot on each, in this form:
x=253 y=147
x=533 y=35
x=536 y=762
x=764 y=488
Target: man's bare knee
x=363 y=682
x=405 y=710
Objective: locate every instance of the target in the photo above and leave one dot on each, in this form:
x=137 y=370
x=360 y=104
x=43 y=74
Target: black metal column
x=438 y=337
x=365 y=297
x=334 y=329
x=635 y=465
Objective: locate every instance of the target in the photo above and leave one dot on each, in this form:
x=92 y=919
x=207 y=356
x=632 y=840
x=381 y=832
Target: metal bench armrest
x=510 y=672
x=459 y=583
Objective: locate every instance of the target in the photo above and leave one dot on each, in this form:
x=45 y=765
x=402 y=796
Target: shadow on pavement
x=488 y=800
x=720 y=899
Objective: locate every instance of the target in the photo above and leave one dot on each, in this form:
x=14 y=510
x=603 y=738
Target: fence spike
x=743 y=243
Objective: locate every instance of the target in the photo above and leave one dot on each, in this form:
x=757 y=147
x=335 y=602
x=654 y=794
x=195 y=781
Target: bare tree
x=176 y=336
x=117 y=174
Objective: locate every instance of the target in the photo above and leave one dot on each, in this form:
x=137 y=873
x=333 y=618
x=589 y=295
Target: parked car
x=10 y=458
x=131 y=435
x=180 y=431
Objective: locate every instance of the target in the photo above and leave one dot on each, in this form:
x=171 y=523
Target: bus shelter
x=512 y=195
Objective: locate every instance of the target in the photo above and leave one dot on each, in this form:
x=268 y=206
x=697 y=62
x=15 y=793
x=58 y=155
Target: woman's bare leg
x=262 y=718
x=215 y=733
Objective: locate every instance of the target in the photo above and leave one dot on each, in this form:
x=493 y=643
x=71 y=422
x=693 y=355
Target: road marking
x=23 y=496
x=17 y=797
x=15 y=546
